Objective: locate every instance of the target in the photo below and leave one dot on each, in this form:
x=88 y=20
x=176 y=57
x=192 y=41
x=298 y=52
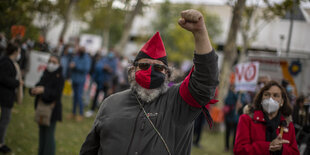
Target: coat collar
x=259 y=116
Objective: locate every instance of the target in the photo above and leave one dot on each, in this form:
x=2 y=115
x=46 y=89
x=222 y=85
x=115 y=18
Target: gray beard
x=146 y=95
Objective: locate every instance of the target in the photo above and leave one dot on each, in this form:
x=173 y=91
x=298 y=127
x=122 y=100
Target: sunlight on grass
x=22 y=134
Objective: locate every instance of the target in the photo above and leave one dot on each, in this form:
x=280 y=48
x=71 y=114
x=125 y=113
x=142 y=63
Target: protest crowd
x=91 y=79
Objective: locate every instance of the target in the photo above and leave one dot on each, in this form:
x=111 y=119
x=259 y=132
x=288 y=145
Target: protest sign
x=37 y=65
x=246 y=75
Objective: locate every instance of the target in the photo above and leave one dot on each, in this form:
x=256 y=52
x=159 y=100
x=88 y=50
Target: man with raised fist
x=151 y=118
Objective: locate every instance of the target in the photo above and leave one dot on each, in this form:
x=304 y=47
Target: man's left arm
x=199 y=86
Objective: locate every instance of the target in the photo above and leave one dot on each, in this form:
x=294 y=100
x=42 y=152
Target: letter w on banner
x=246 y=75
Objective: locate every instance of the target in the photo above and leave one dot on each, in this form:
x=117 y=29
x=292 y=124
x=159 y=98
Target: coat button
x=136 y=153
x=257 y=118
x=285 y=129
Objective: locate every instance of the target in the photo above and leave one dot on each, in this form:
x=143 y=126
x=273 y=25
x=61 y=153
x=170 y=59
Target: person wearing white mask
x=9 y=82
x=266 y=127
x=49 y=91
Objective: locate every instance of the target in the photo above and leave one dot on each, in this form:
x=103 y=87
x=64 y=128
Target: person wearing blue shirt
x=65 y=60
x=231 y=115
x=80 y=67
x=104 y=71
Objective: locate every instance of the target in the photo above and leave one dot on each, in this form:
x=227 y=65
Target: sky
x=304 y=4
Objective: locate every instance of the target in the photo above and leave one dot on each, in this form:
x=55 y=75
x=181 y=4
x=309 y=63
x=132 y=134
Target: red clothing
x=251 y=136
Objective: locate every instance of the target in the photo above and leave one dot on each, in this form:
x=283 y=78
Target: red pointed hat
x=153 y=49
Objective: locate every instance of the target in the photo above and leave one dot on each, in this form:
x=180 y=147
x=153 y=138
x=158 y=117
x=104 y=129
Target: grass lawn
x=22 y=134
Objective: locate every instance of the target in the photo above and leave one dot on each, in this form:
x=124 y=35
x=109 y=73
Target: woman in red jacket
x=266 y=127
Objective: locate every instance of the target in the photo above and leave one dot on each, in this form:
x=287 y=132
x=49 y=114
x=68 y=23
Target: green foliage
x=116 y=31
x=45 y=7
x=32 y=32
x=86 y=8
x=179 y=43
x=279 y=9
x=16 y=12
x=254 y=18
x=48 y=14
x=100 y=15
x=23 y=12
x=62 y=7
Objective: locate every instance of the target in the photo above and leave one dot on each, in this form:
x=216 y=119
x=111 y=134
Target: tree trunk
x=127 y=27
x=44 y=30
x=245 y=46
x=106 y=28
x=230 y=52
x=245 y=27
x=67 y=19
x=106 y=37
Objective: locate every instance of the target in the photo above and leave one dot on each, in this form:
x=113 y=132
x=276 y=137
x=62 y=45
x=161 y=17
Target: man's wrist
x=202 y=42
x=200 y=33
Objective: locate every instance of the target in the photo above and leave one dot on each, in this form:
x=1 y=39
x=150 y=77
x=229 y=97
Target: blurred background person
x=42 y=45
x=301 y=123
x=266 y=128
x=198 y=127
x=9 y=81
x=3 y=44
x=23 y=61
x=103 y=75
x=301 y=112
x=262 y=81
x=49 y=90
x=87 y=94
x=231 y=115
x=65 y=60
x=97 y=57
x=289 y=90
x=122 y=69
x=80 y=67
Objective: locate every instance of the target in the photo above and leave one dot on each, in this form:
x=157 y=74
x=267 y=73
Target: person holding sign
x=266 y=128
x=48 y=92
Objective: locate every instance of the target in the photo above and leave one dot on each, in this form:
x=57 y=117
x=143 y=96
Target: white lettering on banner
x=246 y=75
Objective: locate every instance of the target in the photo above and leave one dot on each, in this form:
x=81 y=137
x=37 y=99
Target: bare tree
x=248 y=33
x=230 y=50
x=127 y=26
x=67 y=18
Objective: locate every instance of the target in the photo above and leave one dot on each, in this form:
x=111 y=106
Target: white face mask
x=18 y=57
x=270 y=105
x=52 y=67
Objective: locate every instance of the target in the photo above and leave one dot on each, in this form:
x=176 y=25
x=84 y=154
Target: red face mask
x=149 y=78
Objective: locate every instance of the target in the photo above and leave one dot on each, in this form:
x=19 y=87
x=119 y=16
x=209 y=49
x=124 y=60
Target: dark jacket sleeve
x=198 y=88
x=52 y=92
x=204 y=78
x=295 y=115
x=92 y=143
x=6 y=80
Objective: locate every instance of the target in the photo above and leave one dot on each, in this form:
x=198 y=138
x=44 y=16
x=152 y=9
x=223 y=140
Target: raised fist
x=192 y=20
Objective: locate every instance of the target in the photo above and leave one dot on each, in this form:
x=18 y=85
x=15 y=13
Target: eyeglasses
x=145 y=66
